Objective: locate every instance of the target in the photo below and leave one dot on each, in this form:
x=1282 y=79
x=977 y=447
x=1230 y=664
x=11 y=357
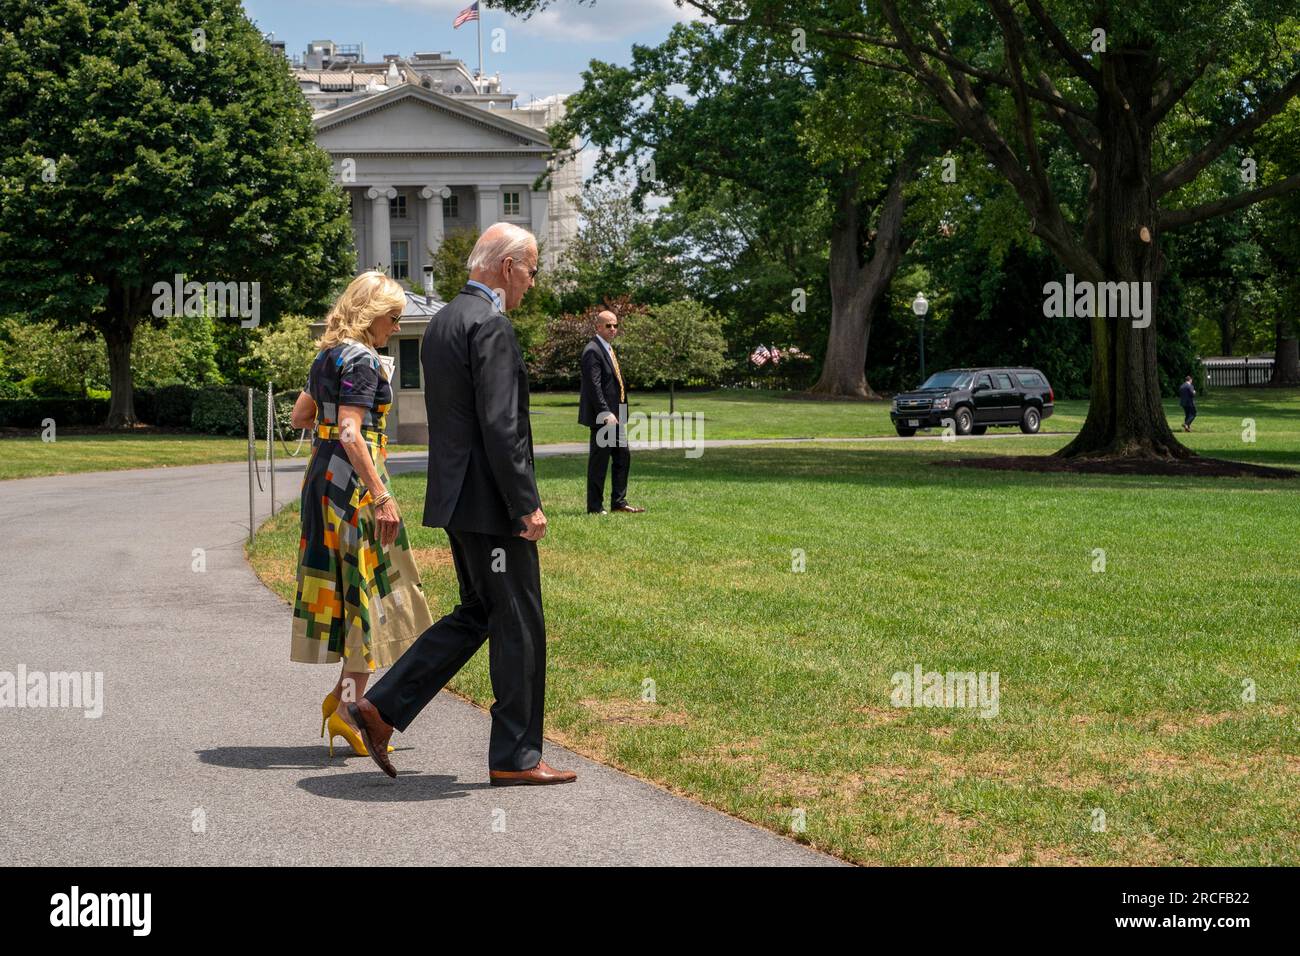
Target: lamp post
x=920 y=306
x=428 y=285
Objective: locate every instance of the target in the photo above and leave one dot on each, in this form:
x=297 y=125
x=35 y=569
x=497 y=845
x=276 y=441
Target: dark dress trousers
x=480 y=483
x=599 y=394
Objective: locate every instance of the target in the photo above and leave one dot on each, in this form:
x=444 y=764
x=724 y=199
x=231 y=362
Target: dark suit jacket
x=599 y=393
x=480 y=440
x=1186 y=395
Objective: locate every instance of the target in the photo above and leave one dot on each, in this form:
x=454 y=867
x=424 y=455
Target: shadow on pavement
x=312 y=757
x=411 y=786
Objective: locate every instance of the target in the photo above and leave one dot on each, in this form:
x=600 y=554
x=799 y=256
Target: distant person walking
x=602 y=407
x=1187 y=399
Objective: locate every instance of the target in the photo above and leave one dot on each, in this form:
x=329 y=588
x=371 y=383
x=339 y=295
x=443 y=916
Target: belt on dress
x=369 y=434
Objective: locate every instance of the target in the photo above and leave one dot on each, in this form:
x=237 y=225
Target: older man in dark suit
x=482 y=491
x=602 y=407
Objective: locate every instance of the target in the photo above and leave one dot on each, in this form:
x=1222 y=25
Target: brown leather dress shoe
x=631 y=509
x=539 y=775
x=375 y=732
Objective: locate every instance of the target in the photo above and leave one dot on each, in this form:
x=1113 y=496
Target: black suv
x=972 y=399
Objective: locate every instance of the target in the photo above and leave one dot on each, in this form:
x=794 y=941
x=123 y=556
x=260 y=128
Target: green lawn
x=31 y=457
x=1121 y=691
x=727 y=414
x=753 y=413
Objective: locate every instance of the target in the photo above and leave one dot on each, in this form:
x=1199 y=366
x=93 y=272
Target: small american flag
x=466 y=15
x=760 y=355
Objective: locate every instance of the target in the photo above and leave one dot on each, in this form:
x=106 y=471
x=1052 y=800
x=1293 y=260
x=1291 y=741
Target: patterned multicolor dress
x=357 y=601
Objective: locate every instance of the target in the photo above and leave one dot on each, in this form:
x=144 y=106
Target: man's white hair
x=498 y=241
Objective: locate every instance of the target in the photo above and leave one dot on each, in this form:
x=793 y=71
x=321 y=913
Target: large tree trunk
x=121 y=409
x=1125 y=414
x=857 y=286
x=1228 y=322
x=1286 y=356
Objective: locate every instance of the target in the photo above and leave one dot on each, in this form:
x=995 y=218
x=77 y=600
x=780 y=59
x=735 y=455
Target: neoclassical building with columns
x=424 y=149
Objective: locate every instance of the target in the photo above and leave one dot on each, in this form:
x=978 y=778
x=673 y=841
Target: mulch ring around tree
x=1195 y=467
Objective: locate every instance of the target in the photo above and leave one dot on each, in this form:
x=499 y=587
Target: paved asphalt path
x=203 y=714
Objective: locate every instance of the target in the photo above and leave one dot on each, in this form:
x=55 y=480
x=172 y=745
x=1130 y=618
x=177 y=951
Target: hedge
x=224 y=411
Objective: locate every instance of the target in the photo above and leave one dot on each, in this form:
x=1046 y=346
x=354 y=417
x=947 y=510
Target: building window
x=397 y=207
x=510 y=204
x=451 y=207
x=401 y=251
x=409 y=359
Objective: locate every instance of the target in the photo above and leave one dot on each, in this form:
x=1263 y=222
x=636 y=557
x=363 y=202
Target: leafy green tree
x=617 y=251
x=671 y=343
x=1279 y=150
x=794 y=134
x=285 y=352
x=714 y=232
x=1110 y=78
x=141 y=141
x=449 y=270
x=450 y=274
x=51 y=361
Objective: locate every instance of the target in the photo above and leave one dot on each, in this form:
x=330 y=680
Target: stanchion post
x=270 y=439
x=252 y=463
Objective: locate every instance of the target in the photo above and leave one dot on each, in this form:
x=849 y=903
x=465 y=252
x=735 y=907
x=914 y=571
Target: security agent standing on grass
x=602 y=402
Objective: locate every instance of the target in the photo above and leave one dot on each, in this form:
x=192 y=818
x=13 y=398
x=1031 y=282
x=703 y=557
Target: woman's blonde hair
x=366 y=298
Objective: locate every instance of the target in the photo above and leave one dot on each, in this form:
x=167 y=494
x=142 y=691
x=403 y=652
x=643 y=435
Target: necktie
x=622 y=392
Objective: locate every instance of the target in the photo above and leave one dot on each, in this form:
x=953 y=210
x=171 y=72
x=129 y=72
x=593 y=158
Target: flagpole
x=478 y=20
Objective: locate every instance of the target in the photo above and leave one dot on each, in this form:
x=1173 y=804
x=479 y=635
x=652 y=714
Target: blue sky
x=544 y=55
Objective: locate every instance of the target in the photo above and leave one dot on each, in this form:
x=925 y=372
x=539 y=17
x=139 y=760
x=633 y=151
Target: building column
x=539 y=207
x=489 y=206
x=432 y=196
x=381 y=247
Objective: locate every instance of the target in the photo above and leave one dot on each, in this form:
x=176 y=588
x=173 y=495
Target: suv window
x=1029 y=379
x=985 y=381
x=1004 y=381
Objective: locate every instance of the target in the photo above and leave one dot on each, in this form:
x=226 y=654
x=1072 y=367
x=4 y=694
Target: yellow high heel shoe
x=327 y=707
x=338 y=727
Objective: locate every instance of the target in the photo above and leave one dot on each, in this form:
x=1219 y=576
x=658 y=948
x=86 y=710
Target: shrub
x=14 y=390
x=224 y=411
x=173 y=406
x=31 y=412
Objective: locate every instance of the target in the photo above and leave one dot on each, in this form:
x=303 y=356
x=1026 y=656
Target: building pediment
x=410 y=118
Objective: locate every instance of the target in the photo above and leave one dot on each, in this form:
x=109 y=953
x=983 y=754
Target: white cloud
x=568 y=20
x=538 y=83
x=605 y=20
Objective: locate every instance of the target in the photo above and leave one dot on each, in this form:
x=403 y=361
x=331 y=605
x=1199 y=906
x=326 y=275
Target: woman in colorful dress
x=359 y=598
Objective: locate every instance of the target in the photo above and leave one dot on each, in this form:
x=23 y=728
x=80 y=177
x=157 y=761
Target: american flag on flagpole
x=466 y=15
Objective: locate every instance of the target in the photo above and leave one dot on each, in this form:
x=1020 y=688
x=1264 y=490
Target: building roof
x=526 y=137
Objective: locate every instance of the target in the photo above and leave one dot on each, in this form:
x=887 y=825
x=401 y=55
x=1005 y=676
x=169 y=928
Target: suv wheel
x=1031 y=421
x=963 y=421
x=904 y=431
